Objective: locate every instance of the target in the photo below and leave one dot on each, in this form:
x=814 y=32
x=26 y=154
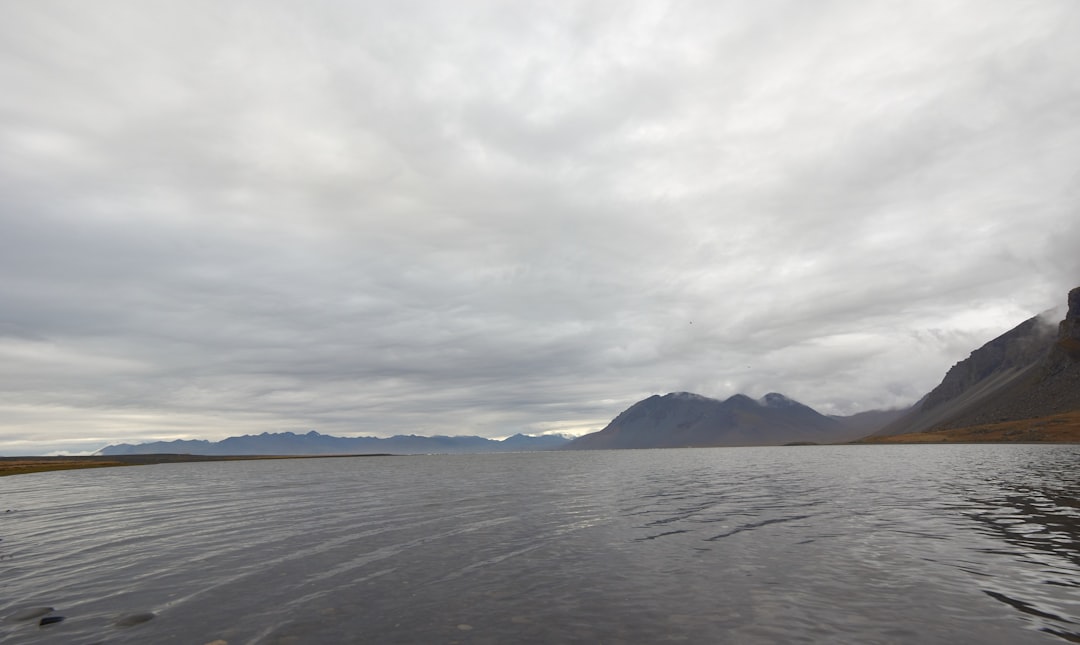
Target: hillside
x=1054 y=428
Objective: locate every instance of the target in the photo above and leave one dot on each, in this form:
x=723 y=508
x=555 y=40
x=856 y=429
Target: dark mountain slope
x=1028 y=372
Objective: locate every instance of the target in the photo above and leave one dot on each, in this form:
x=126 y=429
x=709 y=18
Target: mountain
x=864 y=423
x=313 y=443
x=524 y=442
x=683 y=419
x=1030 y=372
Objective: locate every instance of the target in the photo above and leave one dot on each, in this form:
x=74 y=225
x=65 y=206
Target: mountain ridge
x=314 y=443
x=686 y=419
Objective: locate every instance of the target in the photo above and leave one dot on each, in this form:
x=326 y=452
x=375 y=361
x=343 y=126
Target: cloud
x=476 y=218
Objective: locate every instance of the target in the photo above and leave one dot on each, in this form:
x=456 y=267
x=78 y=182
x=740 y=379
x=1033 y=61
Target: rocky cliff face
x=1028 y=372
x=1013 y=351
x=1068 y=340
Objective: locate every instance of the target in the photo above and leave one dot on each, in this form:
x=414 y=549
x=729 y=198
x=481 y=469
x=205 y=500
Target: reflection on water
x=855 y=544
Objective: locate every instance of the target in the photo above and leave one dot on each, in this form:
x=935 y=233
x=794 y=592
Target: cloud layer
x=486 y=218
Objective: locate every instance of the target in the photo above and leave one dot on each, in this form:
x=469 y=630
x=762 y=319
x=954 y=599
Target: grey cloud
x=484 y=218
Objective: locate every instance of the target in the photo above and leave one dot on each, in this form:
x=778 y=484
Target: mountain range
x=313 y=443
x=1021 y=386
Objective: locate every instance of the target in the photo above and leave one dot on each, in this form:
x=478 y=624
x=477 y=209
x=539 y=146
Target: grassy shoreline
x=31 y=464
x=1054 y=428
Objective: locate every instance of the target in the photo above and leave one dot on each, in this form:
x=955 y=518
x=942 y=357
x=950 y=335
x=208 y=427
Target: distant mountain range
x=1024 y=385
x=313 y=443
x=683 y=419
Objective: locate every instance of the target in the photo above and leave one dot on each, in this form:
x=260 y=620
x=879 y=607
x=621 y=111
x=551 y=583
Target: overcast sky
x=220 y=218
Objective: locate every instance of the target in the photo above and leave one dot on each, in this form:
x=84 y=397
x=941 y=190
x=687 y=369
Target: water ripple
x=857 y=544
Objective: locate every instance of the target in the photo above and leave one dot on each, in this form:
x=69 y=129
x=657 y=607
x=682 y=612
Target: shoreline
x=1055 y=428
x=10 y=466
x=31 y=464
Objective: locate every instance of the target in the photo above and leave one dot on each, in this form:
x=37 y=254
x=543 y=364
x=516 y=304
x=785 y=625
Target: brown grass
x=1057 y=428
x=23 y=465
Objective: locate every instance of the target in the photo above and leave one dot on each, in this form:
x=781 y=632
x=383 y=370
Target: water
x=845 y=544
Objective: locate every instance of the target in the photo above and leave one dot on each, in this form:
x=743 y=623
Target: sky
x=484 y=218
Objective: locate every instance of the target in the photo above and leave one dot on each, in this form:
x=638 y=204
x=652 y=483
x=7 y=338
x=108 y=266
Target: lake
x=816 y=544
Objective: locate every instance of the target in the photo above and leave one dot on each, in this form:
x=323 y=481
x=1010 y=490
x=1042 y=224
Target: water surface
x=845 y=544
